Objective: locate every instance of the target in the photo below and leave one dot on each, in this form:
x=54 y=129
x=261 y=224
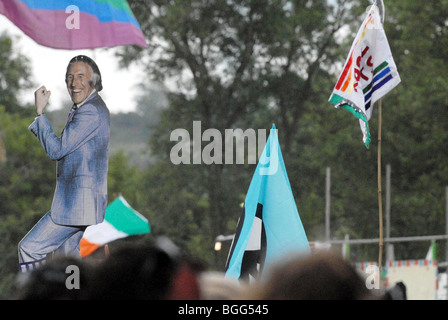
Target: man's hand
x=41 y=97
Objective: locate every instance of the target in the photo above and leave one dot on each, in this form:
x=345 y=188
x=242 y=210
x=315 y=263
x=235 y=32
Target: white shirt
x=82 y=102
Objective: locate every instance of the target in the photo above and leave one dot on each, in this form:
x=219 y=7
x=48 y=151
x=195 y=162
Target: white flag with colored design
x=369 y=72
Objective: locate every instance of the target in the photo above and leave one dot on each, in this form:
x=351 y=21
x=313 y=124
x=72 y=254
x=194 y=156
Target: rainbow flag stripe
x=343 y=79
x=100 y=23
x=381 y=76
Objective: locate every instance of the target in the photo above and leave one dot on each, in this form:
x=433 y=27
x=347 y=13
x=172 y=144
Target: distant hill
x=130 y=132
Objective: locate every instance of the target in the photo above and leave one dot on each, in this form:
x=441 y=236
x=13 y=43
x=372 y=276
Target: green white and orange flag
x=369 y=72
x=120 y=221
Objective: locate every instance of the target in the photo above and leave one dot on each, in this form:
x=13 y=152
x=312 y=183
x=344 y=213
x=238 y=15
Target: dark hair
x=144 y=268
x=95 y=82
x=49 y=281
x=321 y=276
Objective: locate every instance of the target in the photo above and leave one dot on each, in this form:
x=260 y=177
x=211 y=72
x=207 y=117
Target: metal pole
x=389 y=246
x=446 y=248
x=327 y=204
x=346 y=248
x=446 y=226
x=395 y=239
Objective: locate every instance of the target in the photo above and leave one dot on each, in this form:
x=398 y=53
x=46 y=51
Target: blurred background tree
x=233 y=64
x=248 y=64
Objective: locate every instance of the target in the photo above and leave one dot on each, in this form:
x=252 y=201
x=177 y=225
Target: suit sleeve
x=78 y=131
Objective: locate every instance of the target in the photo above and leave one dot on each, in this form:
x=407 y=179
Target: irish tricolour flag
x=120 y=221
x=369 y=72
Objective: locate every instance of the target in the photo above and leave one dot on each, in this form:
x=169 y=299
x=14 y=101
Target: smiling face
x=78 y=78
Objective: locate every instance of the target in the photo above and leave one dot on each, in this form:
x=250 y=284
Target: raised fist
x=41 y=97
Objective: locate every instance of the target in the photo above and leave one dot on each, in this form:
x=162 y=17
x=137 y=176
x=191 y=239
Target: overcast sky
x=49 y=66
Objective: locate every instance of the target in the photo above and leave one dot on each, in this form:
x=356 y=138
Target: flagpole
x=380 y=204
x=383 y=70
x=380 y=6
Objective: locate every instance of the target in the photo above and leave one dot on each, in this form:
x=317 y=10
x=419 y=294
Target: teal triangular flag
x=270 y=226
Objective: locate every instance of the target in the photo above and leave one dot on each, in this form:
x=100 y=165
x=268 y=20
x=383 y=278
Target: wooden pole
x=389 y=246
x=380 y=203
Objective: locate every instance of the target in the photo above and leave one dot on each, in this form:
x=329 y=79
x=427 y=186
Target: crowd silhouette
x=143 y=268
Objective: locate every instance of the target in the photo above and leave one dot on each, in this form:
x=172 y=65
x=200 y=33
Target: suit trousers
x=48 y=237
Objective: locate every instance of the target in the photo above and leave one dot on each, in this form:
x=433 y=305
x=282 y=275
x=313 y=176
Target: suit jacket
x=82 y=155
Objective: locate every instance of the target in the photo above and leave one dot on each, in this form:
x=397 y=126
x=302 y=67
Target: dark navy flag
x=270 y=226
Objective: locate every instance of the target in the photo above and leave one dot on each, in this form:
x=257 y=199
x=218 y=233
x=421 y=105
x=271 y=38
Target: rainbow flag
x=80 y=24
x=120 y=221
x=369 y=72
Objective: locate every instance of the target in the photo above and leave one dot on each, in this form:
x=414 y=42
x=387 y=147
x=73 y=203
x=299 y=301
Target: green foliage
x=14 y=75
x=244 y=64
x=254 y=63
x=248 y=64
x=26 y=187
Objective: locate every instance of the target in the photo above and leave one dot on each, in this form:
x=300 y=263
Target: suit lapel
x=70 y=116
x=74 y=108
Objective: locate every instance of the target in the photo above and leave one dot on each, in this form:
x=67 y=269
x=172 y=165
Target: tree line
x=248 y=64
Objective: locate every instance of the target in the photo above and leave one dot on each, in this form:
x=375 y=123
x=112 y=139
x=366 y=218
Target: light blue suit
x=80 y=198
